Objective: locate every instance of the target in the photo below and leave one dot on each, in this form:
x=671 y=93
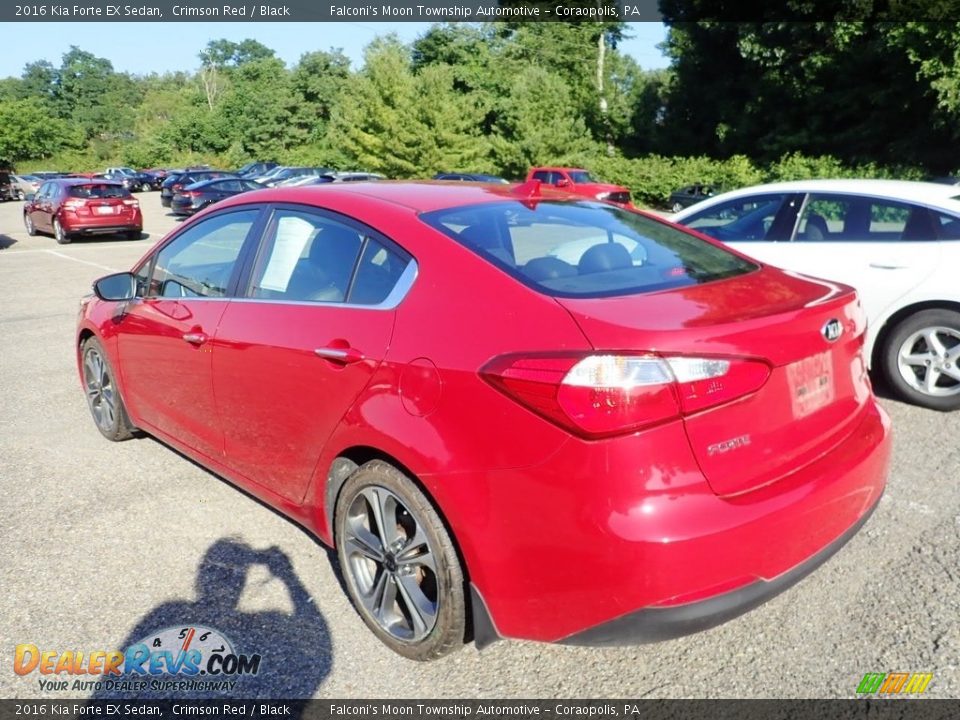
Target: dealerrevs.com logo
x=185 y=658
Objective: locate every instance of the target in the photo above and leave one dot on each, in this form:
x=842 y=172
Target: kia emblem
x=832 y=330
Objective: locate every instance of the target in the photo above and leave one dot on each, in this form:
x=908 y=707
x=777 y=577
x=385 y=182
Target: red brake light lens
x=77 y=205
x=597 y=396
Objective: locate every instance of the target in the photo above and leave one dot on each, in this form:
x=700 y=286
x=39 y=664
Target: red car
x=67 y=207
x=641 y=443
x=580 y=182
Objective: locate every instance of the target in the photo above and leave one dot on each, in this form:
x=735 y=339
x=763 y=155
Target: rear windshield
x=98 y=191
x=585 y=249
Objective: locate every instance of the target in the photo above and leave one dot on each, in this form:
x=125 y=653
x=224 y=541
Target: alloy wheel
x=101 y=395
x=929 y=361
x=59 y=233
x=391 y=564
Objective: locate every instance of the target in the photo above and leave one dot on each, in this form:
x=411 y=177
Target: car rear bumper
x=183 y=208
x=656 y=624
x=623 y=541
x=101 y=225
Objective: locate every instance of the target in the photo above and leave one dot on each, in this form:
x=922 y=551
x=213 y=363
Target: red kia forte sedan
x=515 y=413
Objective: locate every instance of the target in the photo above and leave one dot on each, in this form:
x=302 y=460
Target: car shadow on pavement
x=6 y=241
x=294 y=647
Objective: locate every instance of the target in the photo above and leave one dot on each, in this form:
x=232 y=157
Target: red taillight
x=77 y=205
x=601 y=395
x=132 y=203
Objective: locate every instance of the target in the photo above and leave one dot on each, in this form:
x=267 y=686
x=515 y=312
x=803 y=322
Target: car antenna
x=528 y=189
x=529 y=192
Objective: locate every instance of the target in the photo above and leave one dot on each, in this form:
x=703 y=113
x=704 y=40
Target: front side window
x=580 y=176
x=585 y=249
x=313 y=258
x=200 y=261
x=746 y=218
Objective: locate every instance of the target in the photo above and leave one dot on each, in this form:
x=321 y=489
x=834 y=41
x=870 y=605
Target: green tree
x=28 y=132
x=537 y=126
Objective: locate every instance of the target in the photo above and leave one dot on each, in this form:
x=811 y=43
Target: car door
x=292 y=356
x=882 y=247
x=35 y=209
x=165 y=337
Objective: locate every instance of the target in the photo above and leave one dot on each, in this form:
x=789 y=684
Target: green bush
x=651 y=179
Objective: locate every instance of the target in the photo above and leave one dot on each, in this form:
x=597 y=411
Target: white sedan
x=896 y=242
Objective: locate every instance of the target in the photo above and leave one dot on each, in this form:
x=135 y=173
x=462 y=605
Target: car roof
x=84 y=181
x=925 y=193
x=419 y=196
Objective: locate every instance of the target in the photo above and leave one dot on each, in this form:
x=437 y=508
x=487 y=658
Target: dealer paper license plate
x=811 y=383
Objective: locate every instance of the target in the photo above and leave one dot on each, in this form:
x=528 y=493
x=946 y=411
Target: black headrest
x=335 y=245
x=548 y=268
x=603 y=257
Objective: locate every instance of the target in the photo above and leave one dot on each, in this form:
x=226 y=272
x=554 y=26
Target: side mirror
x=563 y=182
x=117 y=287
x=29 y=197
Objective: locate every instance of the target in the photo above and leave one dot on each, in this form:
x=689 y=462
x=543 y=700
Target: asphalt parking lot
x=101 y=543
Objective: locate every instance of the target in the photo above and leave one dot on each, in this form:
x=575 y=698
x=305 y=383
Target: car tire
x=28 y=224
x=145 y=187
x=59 y=233
x=21 y=195
x=677 y=207
x=134 y=234
x=920 y=359
x=409 y=590
x=103 y=397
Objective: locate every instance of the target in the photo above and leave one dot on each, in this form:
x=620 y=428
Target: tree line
x=739 y=102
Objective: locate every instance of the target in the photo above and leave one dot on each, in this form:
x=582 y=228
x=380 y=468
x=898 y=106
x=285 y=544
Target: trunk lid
x=816 y=387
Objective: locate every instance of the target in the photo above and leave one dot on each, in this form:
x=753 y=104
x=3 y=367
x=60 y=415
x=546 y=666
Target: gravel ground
x=101 y=543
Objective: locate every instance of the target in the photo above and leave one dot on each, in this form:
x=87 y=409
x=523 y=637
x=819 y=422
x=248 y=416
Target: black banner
x=871 y=709
x=472 y=10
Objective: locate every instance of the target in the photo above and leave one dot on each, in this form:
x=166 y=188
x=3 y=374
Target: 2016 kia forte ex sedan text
x=514 y=412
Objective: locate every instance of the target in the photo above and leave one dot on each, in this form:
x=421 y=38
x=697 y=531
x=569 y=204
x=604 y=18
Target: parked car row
x=895 y=242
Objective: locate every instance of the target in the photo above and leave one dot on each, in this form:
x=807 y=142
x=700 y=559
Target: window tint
x=310 y=258
x=228 y=186
x=543 y=176
x=746 y=218
x=949 y=226
x=250 y=185
x=849 y=218
x=98 y=191
x=585 y=249
x=200 y=261
x=580 y=176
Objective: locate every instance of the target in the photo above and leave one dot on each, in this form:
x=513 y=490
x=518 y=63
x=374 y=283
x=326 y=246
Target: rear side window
x=852 y=218
x=585 y=249
x=314 y=258
x=98 y=191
